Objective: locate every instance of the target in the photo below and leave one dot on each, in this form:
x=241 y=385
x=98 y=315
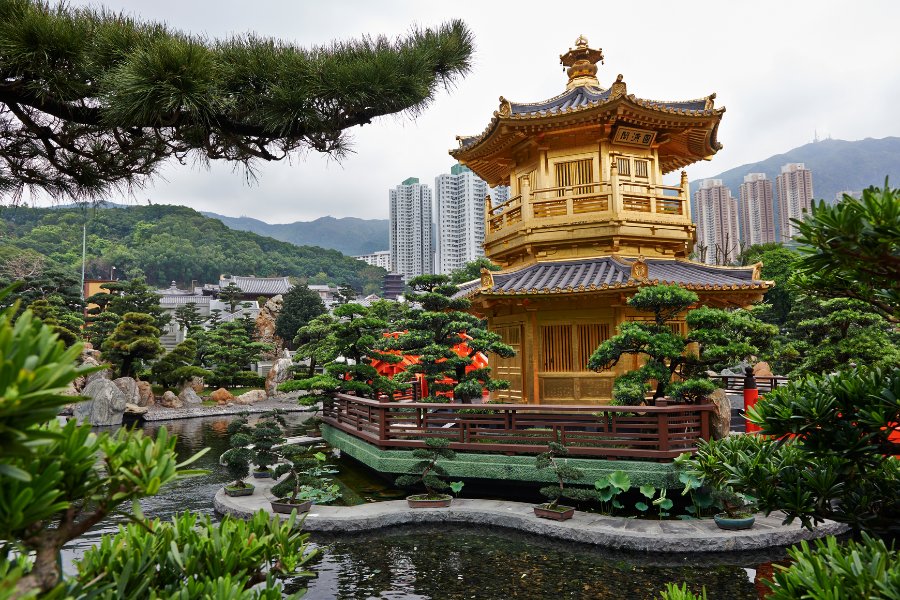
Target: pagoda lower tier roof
x=612 y=272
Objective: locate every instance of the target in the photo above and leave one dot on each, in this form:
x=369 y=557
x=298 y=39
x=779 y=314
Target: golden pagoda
x=588 y=222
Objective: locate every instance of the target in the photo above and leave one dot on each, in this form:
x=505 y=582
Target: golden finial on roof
x=582 y=62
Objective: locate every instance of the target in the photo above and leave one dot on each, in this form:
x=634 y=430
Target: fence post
x=382 y=424
x=662 y=425
x=751 y=395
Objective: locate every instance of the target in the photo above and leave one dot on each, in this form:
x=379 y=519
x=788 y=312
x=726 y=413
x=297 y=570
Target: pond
x=446 y=562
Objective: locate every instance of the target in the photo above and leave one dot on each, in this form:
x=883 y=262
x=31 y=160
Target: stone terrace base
x=642 y=535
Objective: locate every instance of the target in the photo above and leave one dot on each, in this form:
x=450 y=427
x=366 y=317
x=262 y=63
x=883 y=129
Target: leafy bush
x=555 y=459
x=673 y=592
x=245 y=379
x=831 y=570
x=305 y=479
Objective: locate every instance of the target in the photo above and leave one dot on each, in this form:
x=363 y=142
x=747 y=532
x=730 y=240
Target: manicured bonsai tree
x=555 y=459
x=237 y=458
x=428 y=472
x=266 y=435
x=305 y=477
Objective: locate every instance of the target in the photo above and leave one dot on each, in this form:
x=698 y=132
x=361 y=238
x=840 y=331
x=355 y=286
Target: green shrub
x=673 y=592
x=833 y=571
x=427 y=471
x=245 y=379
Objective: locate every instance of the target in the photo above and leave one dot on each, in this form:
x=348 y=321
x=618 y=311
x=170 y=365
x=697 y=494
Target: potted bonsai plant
x=430 y=474
x=554 y=458
x=266 y=435
x=737 y=510
x=305 y=483
x=237 y=458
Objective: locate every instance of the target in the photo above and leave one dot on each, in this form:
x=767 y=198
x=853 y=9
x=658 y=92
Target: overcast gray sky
x=784 y=70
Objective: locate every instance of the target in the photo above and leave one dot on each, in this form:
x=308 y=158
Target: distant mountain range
x=349 y=235
x=836 y=165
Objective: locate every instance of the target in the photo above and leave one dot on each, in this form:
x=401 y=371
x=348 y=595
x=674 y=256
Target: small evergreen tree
x=100 y=327
x=265 y=435
x=300 y=306
x=230 y=350
x=427 y=471
x=178 y=366
x=231 y=295
x=555 y=459
x=435 y=333
x=188 y=316
x=215 y=317
x=123 y=297
x=135 y=339
x=315 y=342
x=53 y=311
x=238 y=457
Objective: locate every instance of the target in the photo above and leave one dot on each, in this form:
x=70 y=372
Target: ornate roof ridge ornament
x=581 y=62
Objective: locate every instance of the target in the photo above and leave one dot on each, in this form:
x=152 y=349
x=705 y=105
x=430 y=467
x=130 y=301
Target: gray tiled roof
x=264 y=286
x=608 y=272
x=182 y=299
x=575 y=98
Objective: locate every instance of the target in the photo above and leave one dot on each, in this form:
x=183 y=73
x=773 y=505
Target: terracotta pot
x=262 y=474
x=734 y=524
x=422 y=501
x=285 y=508
x=236 y=491
x=561 y=513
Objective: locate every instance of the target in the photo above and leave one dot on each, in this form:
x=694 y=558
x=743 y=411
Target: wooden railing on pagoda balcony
x=626 y=200
x=660 y=432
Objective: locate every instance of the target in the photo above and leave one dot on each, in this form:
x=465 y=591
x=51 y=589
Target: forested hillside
x=168 y=243
x=350 y=235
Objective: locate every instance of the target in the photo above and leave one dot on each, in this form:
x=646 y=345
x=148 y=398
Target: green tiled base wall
x=498 y=466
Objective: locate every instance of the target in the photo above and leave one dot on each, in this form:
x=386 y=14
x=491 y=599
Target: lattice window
x=589 y=337
x=556 y=348
x=624 y=166
x=575 y=173
x=640 y=168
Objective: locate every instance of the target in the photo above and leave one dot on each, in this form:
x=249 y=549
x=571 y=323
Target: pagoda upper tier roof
x=612 y=273
x=687 y=128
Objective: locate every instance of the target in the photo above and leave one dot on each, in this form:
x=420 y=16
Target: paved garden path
x=646 y=535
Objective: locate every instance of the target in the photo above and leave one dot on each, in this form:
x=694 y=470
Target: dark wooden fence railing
x=735 y=383
x=660 y=432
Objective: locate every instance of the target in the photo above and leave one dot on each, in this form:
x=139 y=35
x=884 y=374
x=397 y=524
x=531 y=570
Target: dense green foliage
x=301 y=305
x=229 y=351
x=53 y=311
x=555 y=460
x=134 y=341
x=722 y=338
x=179 y=366
x=836 y=571
x=427 y=471
x=305 y=476
x=825 y=451
x=165 y=244
x=472 y=270
x=778 y=264
x=231 y=295
x=434 y=331
x=825 y=335
x=94 y=101
x=852 y=250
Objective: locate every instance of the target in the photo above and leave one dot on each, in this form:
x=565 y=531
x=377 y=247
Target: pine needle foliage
x=92 y=102
x=427 y=471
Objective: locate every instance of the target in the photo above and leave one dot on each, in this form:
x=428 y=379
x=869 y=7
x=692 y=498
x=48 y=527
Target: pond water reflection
x=444 y=562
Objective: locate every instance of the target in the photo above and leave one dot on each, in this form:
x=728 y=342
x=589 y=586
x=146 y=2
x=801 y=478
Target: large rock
x=251 y=397
x=170 y=400
x=189 y=396
x=265 y=326
x=145 y=394
x=129 y=387
x=197 y=384
x=82 y=382
x=762 y=369
x=721 y=418
x=135 y=410
x=279 y=373
x=105 y=406
x=221 y=396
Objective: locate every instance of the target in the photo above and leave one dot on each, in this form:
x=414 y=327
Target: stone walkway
x=158 y=413
x=644 y=535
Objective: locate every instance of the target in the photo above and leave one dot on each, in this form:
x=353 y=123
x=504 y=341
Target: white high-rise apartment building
x=718 y=241
x=382 y=259
x=757 y=210
x=412 y=248
x=459 y=217
x=795 y=195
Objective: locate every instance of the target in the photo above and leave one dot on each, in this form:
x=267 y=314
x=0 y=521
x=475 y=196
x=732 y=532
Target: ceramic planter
x=734 y=524
x=285 y=508
x=263 y=474
x=239 y=491
x=423 y=501
x=560 y=513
